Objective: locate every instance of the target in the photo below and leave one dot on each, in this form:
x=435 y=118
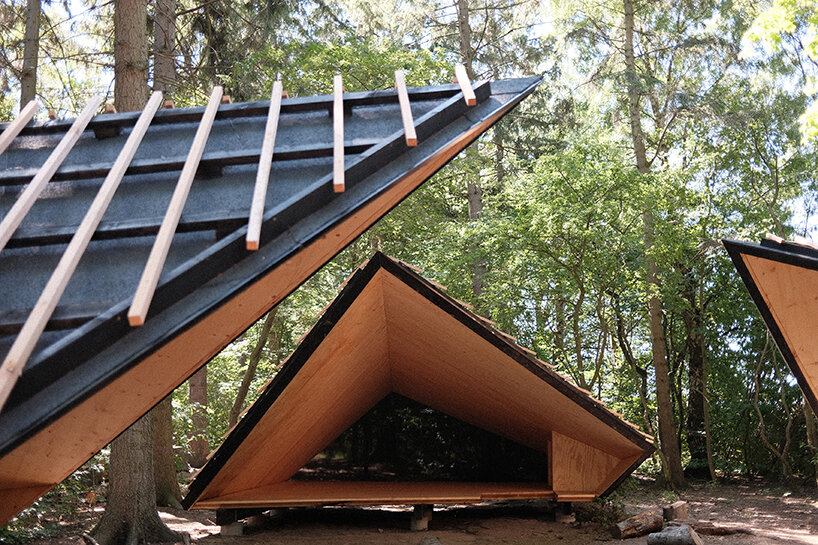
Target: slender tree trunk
x=164 y=460
x=812 y=435
x=164 y=47
x=255 y=357
x=199 y=445
x=130 y=512
x=698 y=466
x=667 y=429
x=164 y=75
x=28 y=78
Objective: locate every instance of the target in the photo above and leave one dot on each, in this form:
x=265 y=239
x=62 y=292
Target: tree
x=164 y=77
x=28 y=78
x=130 y=516
x=667 y=428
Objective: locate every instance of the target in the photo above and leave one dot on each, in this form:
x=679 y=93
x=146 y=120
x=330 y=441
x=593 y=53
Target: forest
x=587 y=223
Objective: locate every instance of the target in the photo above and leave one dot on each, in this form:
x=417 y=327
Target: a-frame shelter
x=340 y=162
x=782 y=278
x=391 y=331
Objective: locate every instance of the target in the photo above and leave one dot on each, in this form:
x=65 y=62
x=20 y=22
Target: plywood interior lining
x=440 y=363
x=791 y=294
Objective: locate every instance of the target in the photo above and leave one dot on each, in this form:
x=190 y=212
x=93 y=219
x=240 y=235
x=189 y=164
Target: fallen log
x=639 y=525
x=707 y=528
x=675 y=535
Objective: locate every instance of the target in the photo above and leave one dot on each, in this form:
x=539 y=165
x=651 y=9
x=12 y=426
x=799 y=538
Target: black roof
x=88 y=341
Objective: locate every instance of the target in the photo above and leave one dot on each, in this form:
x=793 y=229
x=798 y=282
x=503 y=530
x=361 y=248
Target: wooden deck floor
x=305 y=493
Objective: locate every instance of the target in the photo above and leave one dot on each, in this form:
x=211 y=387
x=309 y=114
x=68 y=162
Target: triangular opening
x=400 y=439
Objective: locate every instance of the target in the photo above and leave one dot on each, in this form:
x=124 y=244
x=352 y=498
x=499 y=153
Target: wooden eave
x=390 y=330
x=782 y=278
x=91 y=375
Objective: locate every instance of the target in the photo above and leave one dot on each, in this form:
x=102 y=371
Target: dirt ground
x=768 y=515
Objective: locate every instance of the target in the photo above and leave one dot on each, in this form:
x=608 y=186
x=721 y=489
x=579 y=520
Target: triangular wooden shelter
x=782 y=278
x=190 y=223
x=391 y=331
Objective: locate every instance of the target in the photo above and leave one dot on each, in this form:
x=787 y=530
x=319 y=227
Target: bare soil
x=767 y=514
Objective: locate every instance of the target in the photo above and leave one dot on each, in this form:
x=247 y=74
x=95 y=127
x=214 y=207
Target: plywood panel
x=791 y=294
x=439 y=362
x=300 y=493
x=14 y=500
x=56 y=451
x=346 y=375
x=578 y=468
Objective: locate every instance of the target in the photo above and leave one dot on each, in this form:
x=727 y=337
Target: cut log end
x=639 y=525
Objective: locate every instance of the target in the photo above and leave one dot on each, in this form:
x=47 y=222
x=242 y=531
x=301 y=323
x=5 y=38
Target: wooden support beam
x=264 y=164
x=17 y=125
x=27 y=197
x=463 y=80
x=405 y=109
x=159 y=252
x=38 y=318
x=338 y=184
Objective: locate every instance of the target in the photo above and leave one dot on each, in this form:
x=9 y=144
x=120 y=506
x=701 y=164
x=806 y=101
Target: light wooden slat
x=264 y=164
x=338 y=184
x=17 y=125
x=465 y=85
x=304 y=493
x=161 y=246
x=26 y=199
x=405 y=109
x=35 y=323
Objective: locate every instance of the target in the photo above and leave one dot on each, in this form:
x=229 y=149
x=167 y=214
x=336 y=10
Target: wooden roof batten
x=390 y=330
x=777 y=273
x=88 y=361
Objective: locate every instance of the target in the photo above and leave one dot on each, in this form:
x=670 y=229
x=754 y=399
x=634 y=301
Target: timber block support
x=225 y=517
x=232 y=530
x=564 y=512
x=421 y=516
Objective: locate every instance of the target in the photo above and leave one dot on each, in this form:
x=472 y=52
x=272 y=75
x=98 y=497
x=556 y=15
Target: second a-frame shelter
x=782 y=278
x=391 y=331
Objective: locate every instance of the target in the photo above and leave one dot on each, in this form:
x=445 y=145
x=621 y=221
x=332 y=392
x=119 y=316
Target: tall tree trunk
x=164 y=47
x=667 y=429
x=164 y=75
x=164 y=460
x=28 y=78
x=255 y=357
x=199 y=445
x=474 y=191
x=130 y=512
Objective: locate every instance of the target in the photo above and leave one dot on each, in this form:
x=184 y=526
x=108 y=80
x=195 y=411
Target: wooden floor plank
x=17 y=125
x=465 y=85
x=338 y=184
x=35 y=323
x=29 y=195
x=405 y=109
x=264 y=165
x=306 y=493
x=159 y=252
